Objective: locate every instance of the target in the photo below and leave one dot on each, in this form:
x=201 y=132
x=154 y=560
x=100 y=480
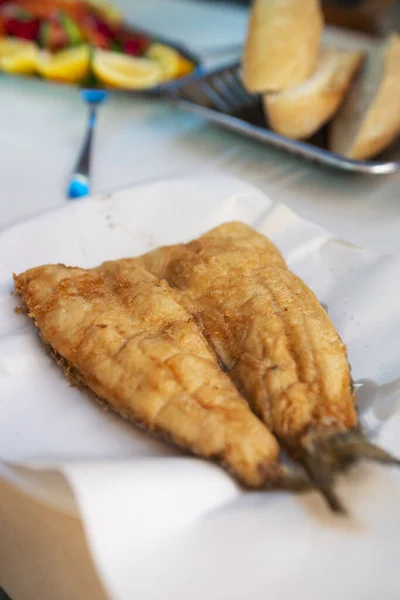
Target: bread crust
x=369 y=118
x=301 y=111
x=282 y=45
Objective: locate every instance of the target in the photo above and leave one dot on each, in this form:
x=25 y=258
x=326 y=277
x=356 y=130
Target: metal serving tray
x=219 y=96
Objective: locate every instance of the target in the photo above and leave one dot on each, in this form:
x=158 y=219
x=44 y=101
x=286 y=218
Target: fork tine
x=235 y=71
x=237 y=89
x=227 y=94
x=235 y=74
x=213 y=95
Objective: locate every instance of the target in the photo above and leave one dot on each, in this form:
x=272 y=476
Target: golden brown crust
x=132 y=342
x=301 y=111
x=274 y=337
x=369 y=119
x=283 y=42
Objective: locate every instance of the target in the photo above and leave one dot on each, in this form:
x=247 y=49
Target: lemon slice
x=70 y=65
x=168 y=58
x=127 y=72
x=18 y=56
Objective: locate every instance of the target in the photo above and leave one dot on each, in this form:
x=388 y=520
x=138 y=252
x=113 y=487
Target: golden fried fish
x=126 y=335
x=276 y=342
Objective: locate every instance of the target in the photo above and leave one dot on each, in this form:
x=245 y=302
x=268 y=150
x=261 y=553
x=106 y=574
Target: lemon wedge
x=168 y=58
x=173 y=64
x=18 y=56
x=70 y=65
x=127 y=72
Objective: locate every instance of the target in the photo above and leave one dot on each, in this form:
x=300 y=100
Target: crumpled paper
x=160 y=523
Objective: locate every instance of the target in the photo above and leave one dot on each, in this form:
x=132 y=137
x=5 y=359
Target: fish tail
x=321 y=475
x=312 y=478
x=325 y=456
x=353 y=445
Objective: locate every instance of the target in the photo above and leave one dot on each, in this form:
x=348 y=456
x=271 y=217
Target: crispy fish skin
x=134 y=344
x=274 y=337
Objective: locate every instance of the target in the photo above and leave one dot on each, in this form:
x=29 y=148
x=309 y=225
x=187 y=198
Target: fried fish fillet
x=269 y=329
x=273 y=336
x=126 y=336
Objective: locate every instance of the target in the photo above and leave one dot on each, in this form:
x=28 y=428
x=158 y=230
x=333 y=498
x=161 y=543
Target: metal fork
x=221 y=90
x=79 y=182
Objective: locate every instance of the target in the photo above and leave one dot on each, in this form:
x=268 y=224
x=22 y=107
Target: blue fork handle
x=79 y=183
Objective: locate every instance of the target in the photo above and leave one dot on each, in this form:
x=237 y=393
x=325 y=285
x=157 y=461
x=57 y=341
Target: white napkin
x=161 y=524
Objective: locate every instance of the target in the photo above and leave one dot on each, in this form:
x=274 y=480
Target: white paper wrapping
x=161 y=524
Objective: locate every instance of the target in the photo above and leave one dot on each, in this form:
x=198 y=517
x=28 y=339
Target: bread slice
x=300 y=111
x=282 y=45
x=369 y=118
